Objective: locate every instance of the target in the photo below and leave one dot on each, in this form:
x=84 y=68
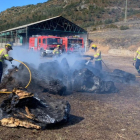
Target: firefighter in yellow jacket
x=56 y=51
x=4 y=55
x=97 y=57
x=137 y=60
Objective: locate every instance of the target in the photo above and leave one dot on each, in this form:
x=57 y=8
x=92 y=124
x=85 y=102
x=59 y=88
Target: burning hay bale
x=22 y=109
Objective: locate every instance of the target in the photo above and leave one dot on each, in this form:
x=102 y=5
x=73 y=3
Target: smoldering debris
x=55 y=78
x=30 y=112
x=59 y=78
x=22 y=109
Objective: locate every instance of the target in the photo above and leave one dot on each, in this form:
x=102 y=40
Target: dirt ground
x=113 y=116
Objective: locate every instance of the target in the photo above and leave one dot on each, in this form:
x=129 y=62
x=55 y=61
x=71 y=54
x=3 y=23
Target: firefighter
x=57 y=51
x=97 y=57
x=4 y=55
x=137 y=60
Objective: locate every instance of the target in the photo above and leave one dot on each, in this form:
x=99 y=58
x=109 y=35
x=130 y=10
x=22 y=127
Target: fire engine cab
x=44 y=44
x=73 y=44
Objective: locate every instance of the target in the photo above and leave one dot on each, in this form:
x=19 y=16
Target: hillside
x=85 y=13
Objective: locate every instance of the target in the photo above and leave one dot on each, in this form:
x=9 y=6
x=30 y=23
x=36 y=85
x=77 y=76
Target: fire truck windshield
x=75 y=41
x=51 y=41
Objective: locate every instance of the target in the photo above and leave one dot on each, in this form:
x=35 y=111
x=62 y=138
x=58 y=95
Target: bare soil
x=93 y=116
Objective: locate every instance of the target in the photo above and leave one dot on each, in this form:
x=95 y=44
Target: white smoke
x=25 y=55
x=71 y=58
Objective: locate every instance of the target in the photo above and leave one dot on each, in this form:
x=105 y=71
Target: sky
x=5 y=4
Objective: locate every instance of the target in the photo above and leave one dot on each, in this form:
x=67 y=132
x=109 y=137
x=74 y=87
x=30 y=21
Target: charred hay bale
x=127 y=77
x=58 y=76
x=118 y=76
x=56 y=87
x=34 y=111
x=40 y=82
x=84 y=80
x=108 y=76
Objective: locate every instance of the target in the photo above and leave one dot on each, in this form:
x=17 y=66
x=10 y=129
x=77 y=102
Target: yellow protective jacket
x=56 y=51
x=97 y=55
x=137 y=54
x=4 y=54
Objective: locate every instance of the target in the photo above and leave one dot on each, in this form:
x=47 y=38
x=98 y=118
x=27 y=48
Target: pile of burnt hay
x=22 y=109
x=59 y=78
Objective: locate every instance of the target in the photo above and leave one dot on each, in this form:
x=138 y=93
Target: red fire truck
x=73 y=44
x=44 y=44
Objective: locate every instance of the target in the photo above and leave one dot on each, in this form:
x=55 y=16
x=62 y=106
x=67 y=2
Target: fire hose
x=29 y=78
x=105 y=65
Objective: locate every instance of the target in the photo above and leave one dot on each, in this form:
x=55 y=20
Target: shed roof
x=81 y=30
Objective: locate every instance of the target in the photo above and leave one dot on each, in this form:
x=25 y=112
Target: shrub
x=108 y=21
x=124 y=27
